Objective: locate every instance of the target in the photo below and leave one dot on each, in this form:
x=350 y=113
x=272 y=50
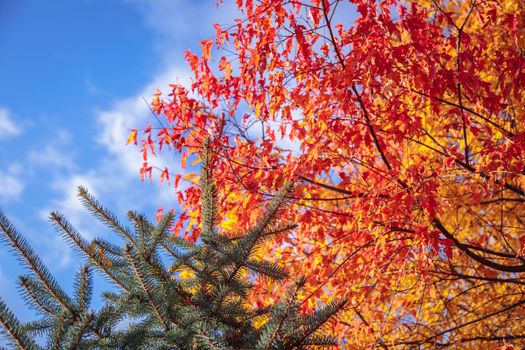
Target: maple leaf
x=206 y=49
x=165 y=175
x=132 y=137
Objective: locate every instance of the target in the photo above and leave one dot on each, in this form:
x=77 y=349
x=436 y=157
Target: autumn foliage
x=402 y=124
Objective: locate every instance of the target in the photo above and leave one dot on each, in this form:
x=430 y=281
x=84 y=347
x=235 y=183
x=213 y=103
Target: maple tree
x=402 y=124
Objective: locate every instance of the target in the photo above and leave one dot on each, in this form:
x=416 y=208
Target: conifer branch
x=208 y=192
x=60 y=327
x=30 y=259
x=109 y=247
x=103 y=214
x=318 y=319
x=146 y=287
x=75 y=333
x=252 y=238
x=30 y=289
x=141 y=226
x=75 y=239
x=12 y=327
x=83 y=288
x=282 y=317
x=160 y=232
x=276 y=205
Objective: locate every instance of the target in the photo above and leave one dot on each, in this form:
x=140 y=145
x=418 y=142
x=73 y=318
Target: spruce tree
x=151 y=307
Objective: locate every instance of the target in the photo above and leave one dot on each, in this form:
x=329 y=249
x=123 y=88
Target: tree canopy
x=403 y=124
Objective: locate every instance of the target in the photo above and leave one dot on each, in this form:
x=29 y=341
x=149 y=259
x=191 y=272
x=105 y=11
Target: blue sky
x=74 y=75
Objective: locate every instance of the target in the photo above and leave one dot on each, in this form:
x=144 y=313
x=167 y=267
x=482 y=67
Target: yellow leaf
x=132 y=137
x=189 y=176
x=186 y=274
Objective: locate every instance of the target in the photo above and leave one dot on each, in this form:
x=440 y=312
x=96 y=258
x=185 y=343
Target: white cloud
x=8 y=127
x=174 y=21
x=11 y=188
x=69 y=204
x=12 y=184
x=185 y=18
x=133 y=113
x=55 y=154
x=182 y=24
x=115 y=179
x=55 y=248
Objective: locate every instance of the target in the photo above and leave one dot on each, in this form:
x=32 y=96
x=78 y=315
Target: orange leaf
x=132 y=137
x=206 y=49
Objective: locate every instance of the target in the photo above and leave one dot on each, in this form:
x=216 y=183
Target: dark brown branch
x=471 y=111
x=431 y=339
x=341 y=190
x=350 y=256
x=465 y=249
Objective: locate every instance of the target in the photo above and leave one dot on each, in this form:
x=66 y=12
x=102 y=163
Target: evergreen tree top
x=206 y=311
